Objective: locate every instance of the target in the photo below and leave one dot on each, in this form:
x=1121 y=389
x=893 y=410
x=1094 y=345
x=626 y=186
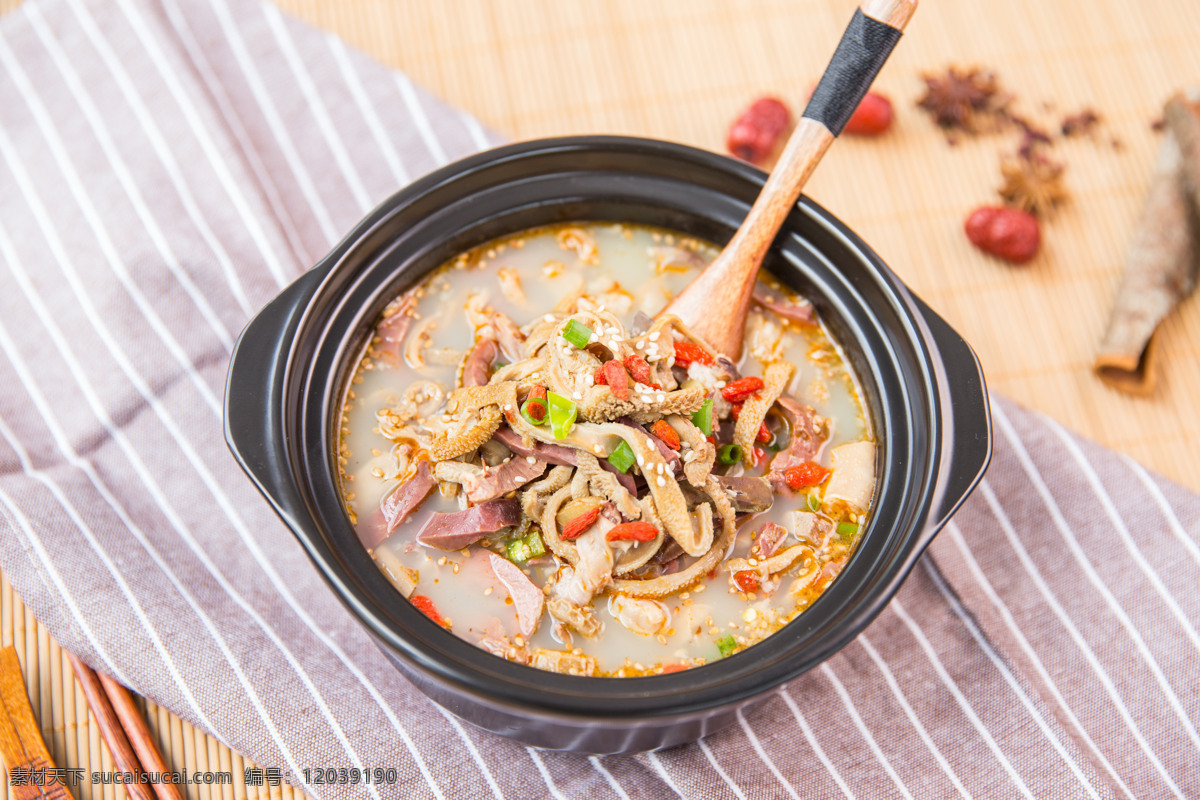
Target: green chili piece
x=726 y=644
x=533 y=541
x=562 y=415
x=814 y=502
x=577 y=334
x=702 y=417
x=518 y=551
x=846 y=530
x=622 y=457
x=533 y=411
x=729 y=454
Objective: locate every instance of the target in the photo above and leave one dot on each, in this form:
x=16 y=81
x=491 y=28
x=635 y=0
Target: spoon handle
x=715 y=304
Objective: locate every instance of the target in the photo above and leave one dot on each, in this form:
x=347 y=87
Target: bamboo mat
x=682 y=70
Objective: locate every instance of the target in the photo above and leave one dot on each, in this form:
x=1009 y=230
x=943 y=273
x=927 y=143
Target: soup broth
x=553 y=474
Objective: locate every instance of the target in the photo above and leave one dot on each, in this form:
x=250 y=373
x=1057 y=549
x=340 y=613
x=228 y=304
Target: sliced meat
x=623 y=478
x=481 y=484
x=807 y=438
x=768 y=539
x=800 y=311
x=458 y=529
x=550 y=453
x=397 y=505
x=393 y=328
x=747 y=495
x=479 y=362
x=527 y=598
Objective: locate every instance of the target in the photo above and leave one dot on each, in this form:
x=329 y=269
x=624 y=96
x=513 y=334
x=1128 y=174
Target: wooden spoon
x=715 y=304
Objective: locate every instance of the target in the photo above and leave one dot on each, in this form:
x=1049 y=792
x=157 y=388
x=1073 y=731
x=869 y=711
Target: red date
x=1007 y=233
x=872 y=117
x=755 y=135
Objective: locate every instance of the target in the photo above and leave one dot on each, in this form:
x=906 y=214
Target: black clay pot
x=923 y=384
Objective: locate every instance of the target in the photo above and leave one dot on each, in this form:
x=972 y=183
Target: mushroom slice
x=642 y=616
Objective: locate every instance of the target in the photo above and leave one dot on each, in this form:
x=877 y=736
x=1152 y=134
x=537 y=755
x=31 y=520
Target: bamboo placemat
x=682 y=70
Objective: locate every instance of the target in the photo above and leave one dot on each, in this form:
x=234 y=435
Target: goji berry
x=1007 y=233
x=741 y=388
x=679 y=666
x=639 y=368
x=757 y=132
x=746 y=580
x=686 y=353
x=872 y=117
x=764 y=434
x=665 y=433
x=810 y=473
x=632 y=531
x=600 y=378
x=617 y=379
x=575 y=527
x=425 y=605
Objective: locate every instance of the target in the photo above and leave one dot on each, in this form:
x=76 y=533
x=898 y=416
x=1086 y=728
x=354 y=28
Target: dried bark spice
x=966 y=100
x=1162 y=263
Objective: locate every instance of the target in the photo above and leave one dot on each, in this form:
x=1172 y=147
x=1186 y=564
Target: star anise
x=968 y=100
x=1082 y=124
x=1032 y=182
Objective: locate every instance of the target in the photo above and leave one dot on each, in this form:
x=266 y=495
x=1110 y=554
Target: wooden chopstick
x=110 y=728
x=21 y=742
x=140 y=738
x=125 y=731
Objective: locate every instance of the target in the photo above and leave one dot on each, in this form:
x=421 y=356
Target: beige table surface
x=683 y=69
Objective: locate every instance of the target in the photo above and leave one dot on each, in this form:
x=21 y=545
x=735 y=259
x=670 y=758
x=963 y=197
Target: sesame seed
x=662 y=481
x=641 y=462
x=531 y=459
x=549 y=318
x=577 y=395
x=654 y=336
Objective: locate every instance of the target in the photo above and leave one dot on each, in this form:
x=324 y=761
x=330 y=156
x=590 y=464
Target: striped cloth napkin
x=168 y=166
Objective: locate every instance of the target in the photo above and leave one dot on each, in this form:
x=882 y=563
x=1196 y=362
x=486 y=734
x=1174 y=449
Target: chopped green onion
x=533 y=411
x=562 y=415
x=500 y=365
x=702 y=417
x=577 y=334
x=814 y=502
x=622 y=457
x=729 y=454
x=534 y=542
x=846 y=530
x=518 y=551
x=726 y=644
